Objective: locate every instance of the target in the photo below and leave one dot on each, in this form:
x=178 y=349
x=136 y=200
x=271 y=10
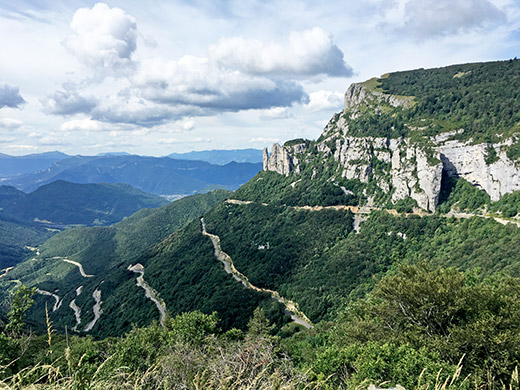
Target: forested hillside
x=478 y=98
x=105 y=253
x=27 y=220
x=64 y=203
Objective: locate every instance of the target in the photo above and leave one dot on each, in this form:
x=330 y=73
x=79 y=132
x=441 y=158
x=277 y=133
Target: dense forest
x=479 y=98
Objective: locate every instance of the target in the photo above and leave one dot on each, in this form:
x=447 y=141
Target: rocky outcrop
x=279 y=161
x=469 y=161
x=283 y=159
x=359 y=93
x=415 y=174
x=400 y=167
x=396 y=165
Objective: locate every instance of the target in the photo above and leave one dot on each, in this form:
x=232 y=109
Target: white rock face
x=414 y=176
x=282 y=159
x=468 y=161
x=409 y=174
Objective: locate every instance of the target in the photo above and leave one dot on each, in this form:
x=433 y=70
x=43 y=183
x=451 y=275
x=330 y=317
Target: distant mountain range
x=221 y=157
x=16 y=165
x=162 y=176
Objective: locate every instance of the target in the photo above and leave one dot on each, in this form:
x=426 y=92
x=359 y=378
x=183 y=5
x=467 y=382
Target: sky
x=159 y=76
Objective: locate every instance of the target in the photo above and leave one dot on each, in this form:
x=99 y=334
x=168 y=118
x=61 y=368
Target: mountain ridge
x=158 y=175
x=411 y=162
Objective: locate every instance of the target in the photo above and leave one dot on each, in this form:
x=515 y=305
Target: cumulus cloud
x=429 y=18
x=325 y=100
x=68 y=101
x=131 y=108
x=237 y=74
x=10 y=97
x=10 y=123
x=304 y=53
x=82 y=125
x=103 y=38
x=196 y=81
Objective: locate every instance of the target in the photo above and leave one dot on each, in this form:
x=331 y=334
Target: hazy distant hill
x=16 y=165
x=163 y=176
x=65 y=203
x=29 y=219
x=15 y=238
x=221 y=157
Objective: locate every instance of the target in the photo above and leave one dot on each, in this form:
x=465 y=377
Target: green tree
x=21 y=301
x=444 y=310
x=259 y=326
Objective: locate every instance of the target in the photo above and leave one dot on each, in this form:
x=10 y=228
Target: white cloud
x=275 y=113
x=264 y=140
x=429 y=18
x=198 y=82
x=325 y=100
x=10 y=97
x=187 y=124
x=198 y=140
x=69 y=101
x=103 y=38
x=169 y=140
x=22 y=147
x=129 y=107
x=10 y=123
x=304 y=53
x=195 y=140
x=82 y=125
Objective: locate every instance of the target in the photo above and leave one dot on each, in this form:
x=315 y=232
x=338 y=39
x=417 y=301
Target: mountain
x=221 y=157
x=405 y=136
x=17 y=165
x=114 y=154
x=64 y=203
x=17 y=239
x=27 y=220
x=387 y=249
x=106 y=253
x=161 y=176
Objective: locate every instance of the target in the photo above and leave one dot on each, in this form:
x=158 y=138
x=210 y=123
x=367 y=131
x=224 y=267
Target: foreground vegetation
x=420 y=327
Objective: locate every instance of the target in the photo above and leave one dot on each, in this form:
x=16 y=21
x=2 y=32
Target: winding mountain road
x=366 y=210
x=76 y=309
x=291 y=308
x=149 y=292
x=79 y=265
x=58 y=302
x=96 y=309
x=5 y=271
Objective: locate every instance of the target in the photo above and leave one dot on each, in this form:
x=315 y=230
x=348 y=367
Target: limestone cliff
x=401 y=167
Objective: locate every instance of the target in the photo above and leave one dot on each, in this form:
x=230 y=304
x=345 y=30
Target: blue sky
x=170 y=76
